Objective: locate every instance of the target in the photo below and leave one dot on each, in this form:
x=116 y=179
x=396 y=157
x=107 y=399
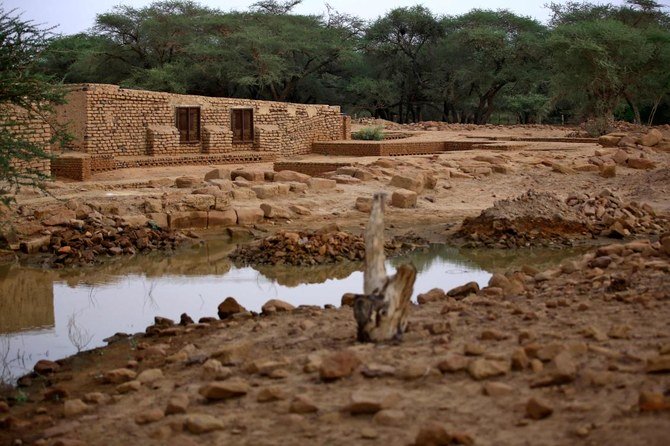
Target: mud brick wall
x=73 y=167
x=102 y=163
x=19 y=123
x=115 y=121
x=346 y=127
x=162 y=140
x=378 y=148
x=216 y=139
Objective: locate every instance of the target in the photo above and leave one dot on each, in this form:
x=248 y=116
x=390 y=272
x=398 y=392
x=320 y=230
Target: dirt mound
x=302 y=248
x=532 y=219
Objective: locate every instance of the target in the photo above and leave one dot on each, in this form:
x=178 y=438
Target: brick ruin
x=28 y=127
x=115 y=127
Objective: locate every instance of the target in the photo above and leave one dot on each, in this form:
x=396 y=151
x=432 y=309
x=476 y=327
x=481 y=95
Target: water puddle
x=52 y=314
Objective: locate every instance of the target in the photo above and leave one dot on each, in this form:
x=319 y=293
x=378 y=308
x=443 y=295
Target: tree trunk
x=381 y=313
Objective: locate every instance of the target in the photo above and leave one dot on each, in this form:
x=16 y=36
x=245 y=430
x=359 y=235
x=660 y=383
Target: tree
x=25 y=94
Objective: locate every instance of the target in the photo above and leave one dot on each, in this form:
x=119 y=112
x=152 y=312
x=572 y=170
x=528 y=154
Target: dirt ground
x=574 y=355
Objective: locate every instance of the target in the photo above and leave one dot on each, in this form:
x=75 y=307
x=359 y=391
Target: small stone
x=96 y=398
x=368 y=402
x=538 y=409
x=338 y=365
x=432 y=434
x=487 y=368
x=150 y=376
x=74 y=407
x=45 y=367
x=561 y=370
x=368 y=433
x=150 y=416
x=493 y=335
x=229 y=307
x=118 y=376
x=232 y=388
x=202 y=423
x=453 y=362
x=413 y=370
x=269 y=394
x=56 y=393
x=658 y=364
x=348 y=299
x=275 y=306
x=608 y=171
x=431 y=296
x=520 y=360
x=130 y=386
x=212 y=369
x=377 y=370
x=389 y=417
x=177 y=404
x=474 y=349
x=651 y=402
x=497 y=389
x=464 y=291
x=302 y=404
x=403 y=199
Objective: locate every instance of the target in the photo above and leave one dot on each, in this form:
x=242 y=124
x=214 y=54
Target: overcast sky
x=73 y=16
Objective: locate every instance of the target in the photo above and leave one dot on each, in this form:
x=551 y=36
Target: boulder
x=249 y=216
x=321 y=184
x=249 y=175
x=264 y=191
x=291 y=176
x=221 y=218
x=403 y=198
x=187 y=182
x=410 y=181
x=229 y=307
x=276 y=306
x=641 y=163
x=218 y=174
x=652 y=138
x=338 y=365
x=274 y=211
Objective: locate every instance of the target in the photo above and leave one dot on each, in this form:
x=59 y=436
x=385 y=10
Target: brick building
x=115 y=127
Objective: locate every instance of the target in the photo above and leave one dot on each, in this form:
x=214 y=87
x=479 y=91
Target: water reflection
x=124 y=295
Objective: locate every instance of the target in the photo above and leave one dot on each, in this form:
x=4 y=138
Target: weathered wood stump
x=381 y=312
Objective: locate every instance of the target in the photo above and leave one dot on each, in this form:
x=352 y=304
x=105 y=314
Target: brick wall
x=312 y=169
x=23 y=126
x=73 y=166
x=109 y=120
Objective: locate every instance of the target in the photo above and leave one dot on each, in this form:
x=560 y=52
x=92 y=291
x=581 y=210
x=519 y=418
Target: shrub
x=369 y=134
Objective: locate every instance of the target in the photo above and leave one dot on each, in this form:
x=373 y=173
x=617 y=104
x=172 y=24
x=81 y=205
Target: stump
x=381 y=312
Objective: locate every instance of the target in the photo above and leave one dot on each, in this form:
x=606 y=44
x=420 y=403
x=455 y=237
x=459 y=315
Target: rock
x=186 y=182
x=652 y=402
x=265 y=191
x=291 y=176
x=363 y=204
x=493 y=335
x=403 y=198
x=229 y=307
x=276 y=306
x=74 y=407
x=249 y=175
x=432 y=434
x=497 y=389
x=453 y=362
x=652 y=138
x=487 y=368
x=249 y=216
x=299 y=210
x=464 y=290
x=413 y=370
x=96 y=398
x=658 y=364
x=561 y=370
x=348 y=300
x=367 y=402
x=338 y=365
x=127 y=387
x=234 y=352
x=389 y=417
x=472 y=349
x=45 y=367
x=611 y=140
x=218 y=174
x=149 y=416
x=368 y=433
x=621 y=157
x=273 y=211
x=177 y=404
x=188 y=219
x=302 y=404
x=269 y=394
x=538 y=409
x=232 y=388
x=321 y=184
x=202 y=423
x=608 y=171
x=118 y=376
x=212 y=369
x=519 y=359
x=431 y=296
x=220 y=218
x=409 y=181
x=641 y=163
x=150 y=376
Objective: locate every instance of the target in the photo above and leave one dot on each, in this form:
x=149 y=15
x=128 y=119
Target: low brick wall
x=72 y=167
x=395 y=148
x=312 y=169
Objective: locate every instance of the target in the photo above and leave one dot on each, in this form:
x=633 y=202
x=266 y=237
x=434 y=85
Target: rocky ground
x=572 y=355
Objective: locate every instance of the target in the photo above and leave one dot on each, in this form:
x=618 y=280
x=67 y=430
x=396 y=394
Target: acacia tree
x=25 y=94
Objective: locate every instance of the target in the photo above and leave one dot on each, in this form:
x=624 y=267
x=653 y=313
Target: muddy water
x=52 y=314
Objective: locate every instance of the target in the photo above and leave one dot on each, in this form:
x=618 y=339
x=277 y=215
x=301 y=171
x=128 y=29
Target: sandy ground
x=577 y=341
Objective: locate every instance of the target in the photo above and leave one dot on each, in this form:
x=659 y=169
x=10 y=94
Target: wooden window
x=188 y=123
x=242 y=123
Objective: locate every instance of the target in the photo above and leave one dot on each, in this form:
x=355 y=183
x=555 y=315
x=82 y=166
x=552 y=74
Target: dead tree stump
x=381 y=312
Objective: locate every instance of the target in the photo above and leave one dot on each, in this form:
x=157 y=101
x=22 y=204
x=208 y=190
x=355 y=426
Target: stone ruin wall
x=112 y=121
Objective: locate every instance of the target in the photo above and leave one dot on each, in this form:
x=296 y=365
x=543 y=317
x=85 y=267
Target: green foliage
x=369 y=134
x=25 y=93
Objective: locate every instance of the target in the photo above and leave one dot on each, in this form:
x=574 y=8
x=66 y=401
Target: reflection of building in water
x=26 y=299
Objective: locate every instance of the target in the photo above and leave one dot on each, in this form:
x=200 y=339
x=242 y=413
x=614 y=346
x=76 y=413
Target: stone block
x=274 y=211
x=218 y=174
x=198 y=202
x=264 y=191
x=187 y=182
x=249 y=175
x=409 y=181
x=290 y=176
x=321 y=184
x=403 y=198
x=184 y=220
x=249 y=216
x=160 y=218
x=221 y=218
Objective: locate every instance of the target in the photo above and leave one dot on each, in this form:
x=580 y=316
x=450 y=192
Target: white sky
x=73 y=16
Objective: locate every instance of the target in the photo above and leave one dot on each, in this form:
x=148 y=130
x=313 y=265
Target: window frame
x=241 y=111
x=192 y=135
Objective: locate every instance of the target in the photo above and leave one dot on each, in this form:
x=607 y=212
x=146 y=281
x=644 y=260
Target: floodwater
x=46 y=314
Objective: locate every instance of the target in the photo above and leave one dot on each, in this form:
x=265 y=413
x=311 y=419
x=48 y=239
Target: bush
x=369 y=134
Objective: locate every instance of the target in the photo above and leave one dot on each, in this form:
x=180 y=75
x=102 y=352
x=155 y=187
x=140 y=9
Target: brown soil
x=588 y=342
